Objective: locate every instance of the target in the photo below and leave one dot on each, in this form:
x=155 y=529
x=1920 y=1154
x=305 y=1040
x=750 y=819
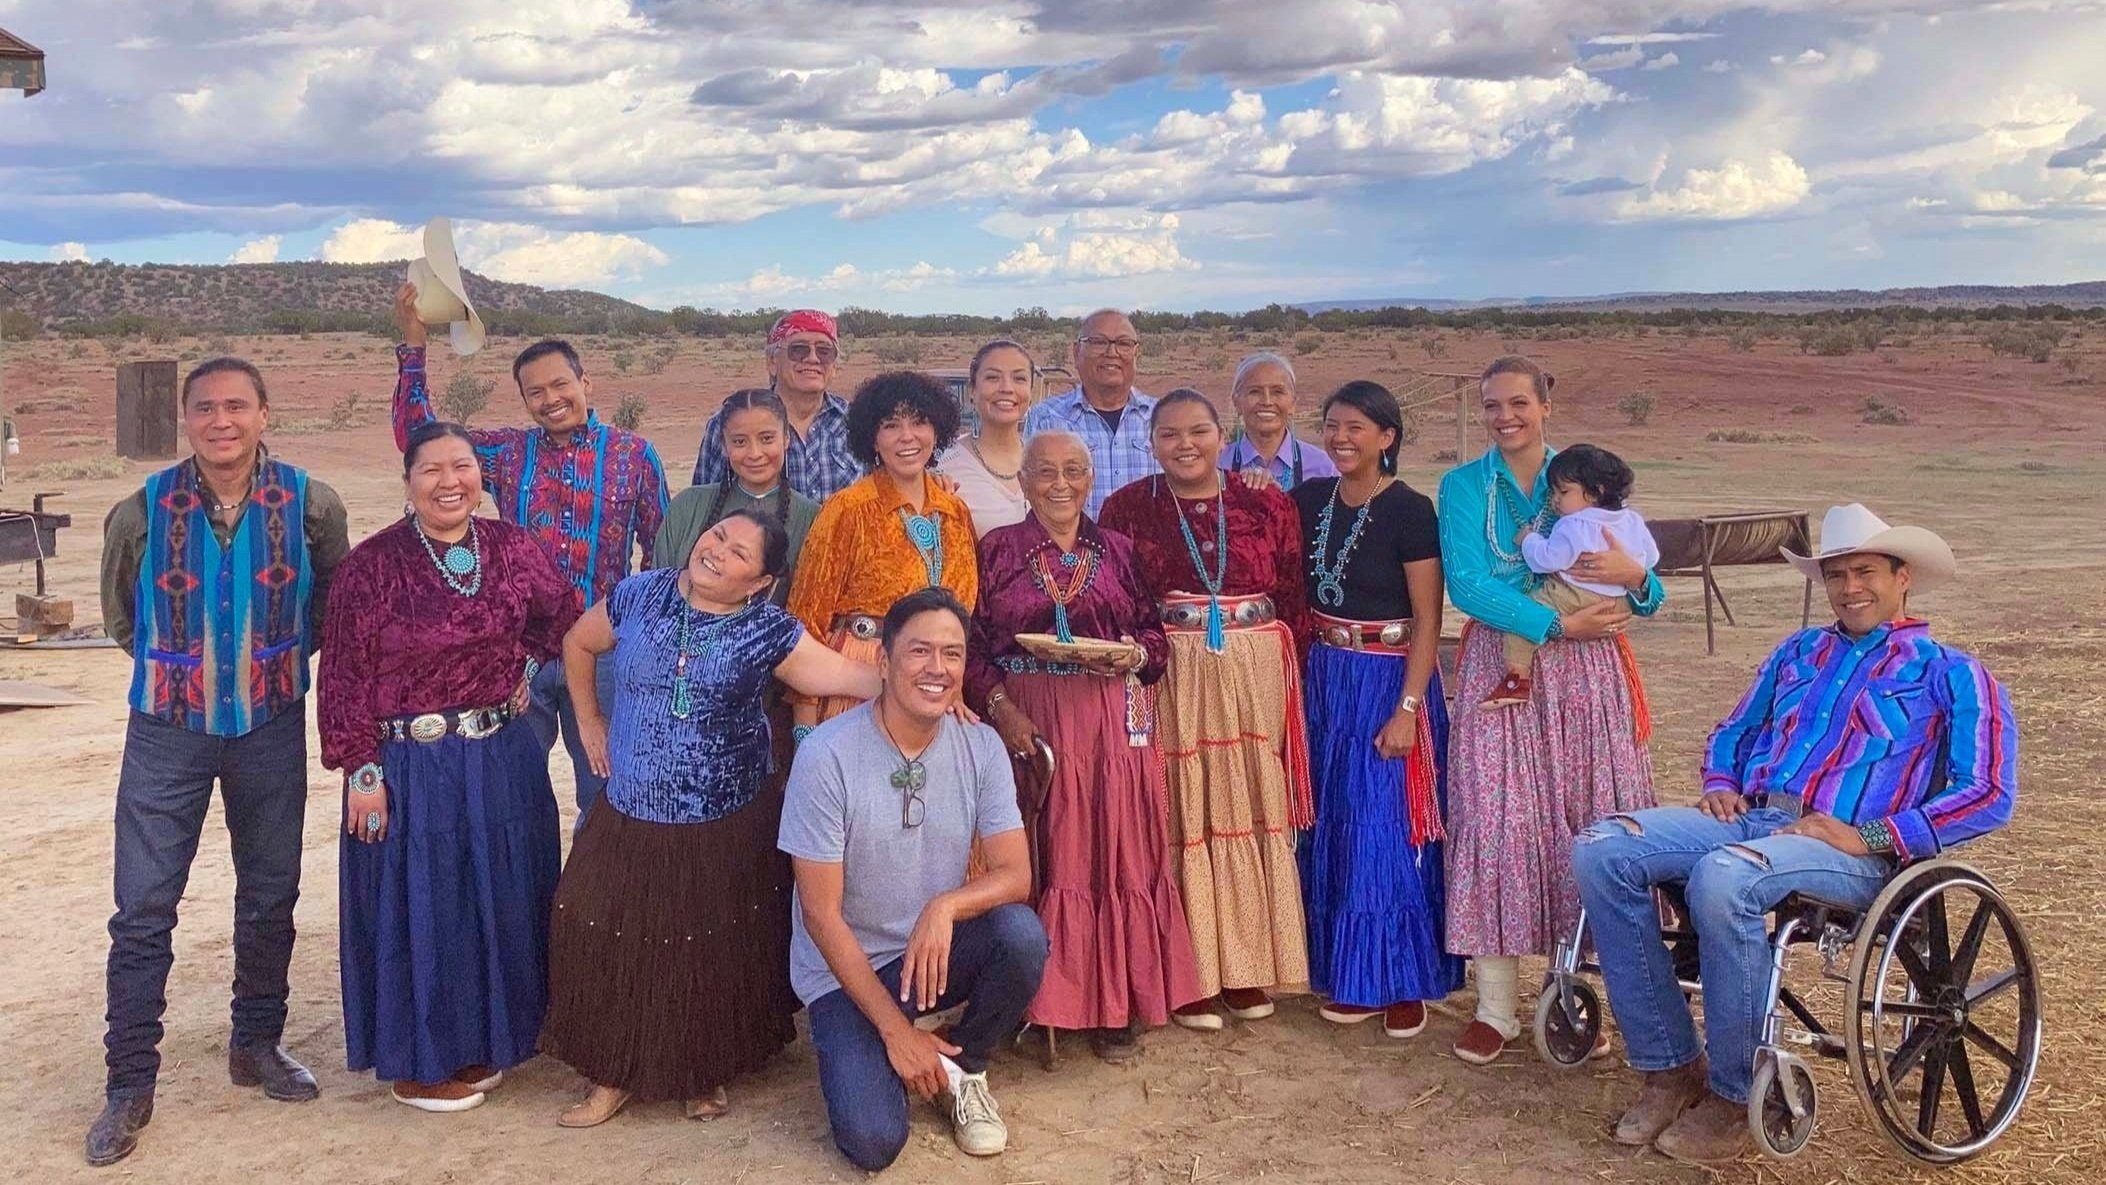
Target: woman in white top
x=985 y=464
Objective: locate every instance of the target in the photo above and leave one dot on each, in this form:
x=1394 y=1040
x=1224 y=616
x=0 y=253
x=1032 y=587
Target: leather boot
x=1712 y=1132
x=1661 y=1101
x=115 y=1132
x=273 y=1069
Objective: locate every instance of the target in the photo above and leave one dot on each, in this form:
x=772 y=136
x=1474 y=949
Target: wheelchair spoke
x=1939 y=938
x=1963 y=1088
x=1933 y=1090
x=1911 y=1050
x=1991 y=1046
x=1994 y=985
x=1970 y=946
x=1920 y=976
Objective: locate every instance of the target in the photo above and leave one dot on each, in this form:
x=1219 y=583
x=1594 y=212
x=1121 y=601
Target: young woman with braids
x=756 y=436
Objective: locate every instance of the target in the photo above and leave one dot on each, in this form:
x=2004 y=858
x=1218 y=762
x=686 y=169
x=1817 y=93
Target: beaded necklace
x=1330 y=579
x=923 y=532
x=1217 y=631
x=1505 y=558
x=462 y=568
x=1080 y=565
x=695 y=641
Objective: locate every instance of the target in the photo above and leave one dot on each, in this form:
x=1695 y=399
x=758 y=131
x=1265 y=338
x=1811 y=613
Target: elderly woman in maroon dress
x=1121 y=949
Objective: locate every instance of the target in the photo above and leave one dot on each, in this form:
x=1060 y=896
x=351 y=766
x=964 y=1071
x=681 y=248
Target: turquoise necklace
x=695 y=641
x=1330 y=579
x=1506 y=558
x=1217 y=631
x=462 y=567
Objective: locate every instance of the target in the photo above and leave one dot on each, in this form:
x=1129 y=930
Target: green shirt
x=124 y=542
x=686 y=519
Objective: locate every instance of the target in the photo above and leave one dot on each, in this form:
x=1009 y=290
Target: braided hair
x=747 y=399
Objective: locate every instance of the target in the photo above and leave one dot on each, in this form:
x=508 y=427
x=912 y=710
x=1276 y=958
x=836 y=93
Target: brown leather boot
x=1661 y=1101
x=1712 y=1132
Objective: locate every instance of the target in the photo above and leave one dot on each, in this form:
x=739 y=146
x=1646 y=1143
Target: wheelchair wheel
x=1568 y=1021
x=1944 y=1030
x=1782 y=1104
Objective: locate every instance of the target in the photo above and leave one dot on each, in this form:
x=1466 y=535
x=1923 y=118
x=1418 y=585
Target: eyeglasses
x=1125 y=347
x=806 y=351
x=909 y=779
x=1078 y=475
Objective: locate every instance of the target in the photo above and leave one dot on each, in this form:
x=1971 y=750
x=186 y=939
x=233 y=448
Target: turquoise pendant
x=459 y=560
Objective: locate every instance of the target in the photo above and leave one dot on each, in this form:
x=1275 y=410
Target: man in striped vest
x=212 y=580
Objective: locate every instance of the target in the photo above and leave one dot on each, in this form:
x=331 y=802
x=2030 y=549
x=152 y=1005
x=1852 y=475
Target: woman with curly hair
x=894 y=531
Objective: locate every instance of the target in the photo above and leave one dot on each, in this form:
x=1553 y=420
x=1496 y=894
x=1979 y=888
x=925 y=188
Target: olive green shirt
x=124 y=543
x=684 y=523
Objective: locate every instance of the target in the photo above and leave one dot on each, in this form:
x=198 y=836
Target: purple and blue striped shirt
x=1892 y=727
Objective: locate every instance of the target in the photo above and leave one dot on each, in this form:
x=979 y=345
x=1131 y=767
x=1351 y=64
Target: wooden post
x=146 y=410
x=1462 y=420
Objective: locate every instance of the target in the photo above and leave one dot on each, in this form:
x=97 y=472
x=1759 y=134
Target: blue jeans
x=1736 y=873
x=552 y=713
x=996 y=962
x=163 y=790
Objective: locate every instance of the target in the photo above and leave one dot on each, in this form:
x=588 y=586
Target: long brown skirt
x=669 y=951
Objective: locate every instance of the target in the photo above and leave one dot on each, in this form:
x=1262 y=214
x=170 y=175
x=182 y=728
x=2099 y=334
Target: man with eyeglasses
x=1104 y=409
x=883 y=805
x=804 y=349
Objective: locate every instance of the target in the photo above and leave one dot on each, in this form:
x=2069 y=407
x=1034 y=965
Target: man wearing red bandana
x=804 y=348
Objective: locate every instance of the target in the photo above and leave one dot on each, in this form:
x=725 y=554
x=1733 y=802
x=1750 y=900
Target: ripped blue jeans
x=1735 y=873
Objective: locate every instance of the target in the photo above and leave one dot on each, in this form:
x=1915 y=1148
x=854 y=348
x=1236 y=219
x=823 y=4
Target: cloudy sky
x=1161 y=153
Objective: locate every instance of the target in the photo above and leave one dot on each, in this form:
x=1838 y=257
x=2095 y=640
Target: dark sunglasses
x=806 y=351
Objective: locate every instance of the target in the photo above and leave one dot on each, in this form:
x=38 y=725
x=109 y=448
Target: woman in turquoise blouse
x=1523 y=780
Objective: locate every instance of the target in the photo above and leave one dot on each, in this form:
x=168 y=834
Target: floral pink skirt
x=1523 y=781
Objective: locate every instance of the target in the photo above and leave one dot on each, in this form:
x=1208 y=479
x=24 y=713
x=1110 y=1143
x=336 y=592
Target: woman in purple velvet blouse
x=1121 y=949
x=450 y=850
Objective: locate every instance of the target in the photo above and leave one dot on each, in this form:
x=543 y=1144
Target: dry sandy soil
x=2001 y=456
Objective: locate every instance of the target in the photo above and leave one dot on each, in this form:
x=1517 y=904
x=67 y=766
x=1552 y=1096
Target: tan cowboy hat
x=1849 y=530
x=442 y=298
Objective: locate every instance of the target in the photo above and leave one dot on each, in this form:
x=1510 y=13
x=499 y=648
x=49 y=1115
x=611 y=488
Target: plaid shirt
x=590 y=502
x=1892 y=727
x=1120 y=459
x=817 y=464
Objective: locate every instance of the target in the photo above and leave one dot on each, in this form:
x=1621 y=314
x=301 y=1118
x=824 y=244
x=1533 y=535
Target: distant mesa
x=2090 y=294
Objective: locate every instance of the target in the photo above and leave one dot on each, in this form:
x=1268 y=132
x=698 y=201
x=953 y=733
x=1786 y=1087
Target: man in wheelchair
x=1862 y=746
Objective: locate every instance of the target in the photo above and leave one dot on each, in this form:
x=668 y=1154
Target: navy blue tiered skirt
x=1375 y=903
x=444 y=924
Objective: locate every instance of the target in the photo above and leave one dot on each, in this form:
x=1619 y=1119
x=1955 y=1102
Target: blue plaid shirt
x=1120 y=459
x=817 y=464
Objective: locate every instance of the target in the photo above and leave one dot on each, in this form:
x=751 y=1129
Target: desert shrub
x=83 y=469
x=1870 y=334
x=907 y=350
x=1434 y=346
x=1309 y=343
x=624 y=360
x=2035 y=343
x=1637 y=407
x=657 y=360
x=1444 y=456
x=629 y=412
x=219 y=347
x=79 y=349
x=464 y=396
x=1742 y=340
x=1875 y=410
x=343 y=413
x=1752 y=436
x=1832 y=342
x=1799 y=409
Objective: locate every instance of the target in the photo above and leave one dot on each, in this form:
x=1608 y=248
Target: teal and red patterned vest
x=222 y=635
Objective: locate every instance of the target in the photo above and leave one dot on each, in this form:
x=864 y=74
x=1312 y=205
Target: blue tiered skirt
x=1375 y=903
x=444 y=924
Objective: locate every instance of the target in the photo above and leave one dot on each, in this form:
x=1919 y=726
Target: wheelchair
x=1941 y=1046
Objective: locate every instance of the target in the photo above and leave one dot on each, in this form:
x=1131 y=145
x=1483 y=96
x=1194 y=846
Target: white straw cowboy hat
x=1849 y=530
x=442 y=298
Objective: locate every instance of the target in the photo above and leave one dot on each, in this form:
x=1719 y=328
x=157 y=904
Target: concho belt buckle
x=428 y=728
x=480 y=723
x=1393 y=634
x=1341 y=637
x=865 y=628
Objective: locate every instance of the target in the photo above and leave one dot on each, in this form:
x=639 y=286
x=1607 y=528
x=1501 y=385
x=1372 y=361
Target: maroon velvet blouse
x=1115 y=602
x=406 y=643
x=1264 y=542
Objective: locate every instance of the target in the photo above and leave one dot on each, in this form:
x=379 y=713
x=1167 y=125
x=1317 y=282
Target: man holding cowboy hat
x=804 y=349
x=1861 y=746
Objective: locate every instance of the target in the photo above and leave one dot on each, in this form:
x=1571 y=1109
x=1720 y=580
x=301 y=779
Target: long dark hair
x=747 y=399
x=1374 y=401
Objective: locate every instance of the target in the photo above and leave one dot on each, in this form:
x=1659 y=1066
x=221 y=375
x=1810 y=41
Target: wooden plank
x=146 y=410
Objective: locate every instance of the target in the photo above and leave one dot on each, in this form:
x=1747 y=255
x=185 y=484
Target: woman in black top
x=1378 y=726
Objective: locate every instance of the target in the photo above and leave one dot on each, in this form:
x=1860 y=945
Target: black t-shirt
x=1400 y=529
x=1111 y=418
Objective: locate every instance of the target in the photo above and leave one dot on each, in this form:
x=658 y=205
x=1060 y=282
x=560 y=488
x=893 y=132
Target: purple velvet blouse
x=1012 y=602
x=406 y=643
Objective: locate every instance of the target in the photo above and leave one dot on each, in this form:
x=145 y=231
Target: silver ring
x=372 y=822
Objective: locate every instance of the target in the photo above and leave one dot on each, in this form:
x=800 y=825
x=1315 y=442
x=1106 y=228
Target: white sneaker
x=976 y=1123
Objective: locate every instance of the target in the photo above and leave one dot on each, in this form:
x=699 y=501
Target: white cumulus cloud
x=70 y=252
x=1735 y=190
x=263 y=250
x=1098 y=245
x=518 y=252
x=1666 y=61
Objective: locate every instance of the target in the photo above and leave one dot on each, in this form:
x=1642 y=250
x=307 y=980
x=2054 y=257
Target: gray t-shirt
x=841 y=808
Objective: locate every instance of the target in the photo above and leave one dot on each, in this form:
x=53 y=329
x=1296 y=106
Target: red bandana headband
x=803 y=321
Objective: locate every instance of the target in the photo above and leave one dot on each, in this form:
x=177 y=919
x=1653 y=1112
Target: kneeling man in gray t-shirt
x=883 y=806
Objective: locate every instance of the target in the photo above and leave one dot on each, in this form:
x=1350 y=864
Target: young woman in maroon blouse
x=1223 y=562
x=450 y=849
x=1121 y=949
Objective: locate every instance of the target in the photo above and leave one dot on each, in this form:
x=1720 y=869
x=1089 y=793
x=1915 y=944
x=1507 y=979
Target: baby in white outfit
x=1588 y=486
